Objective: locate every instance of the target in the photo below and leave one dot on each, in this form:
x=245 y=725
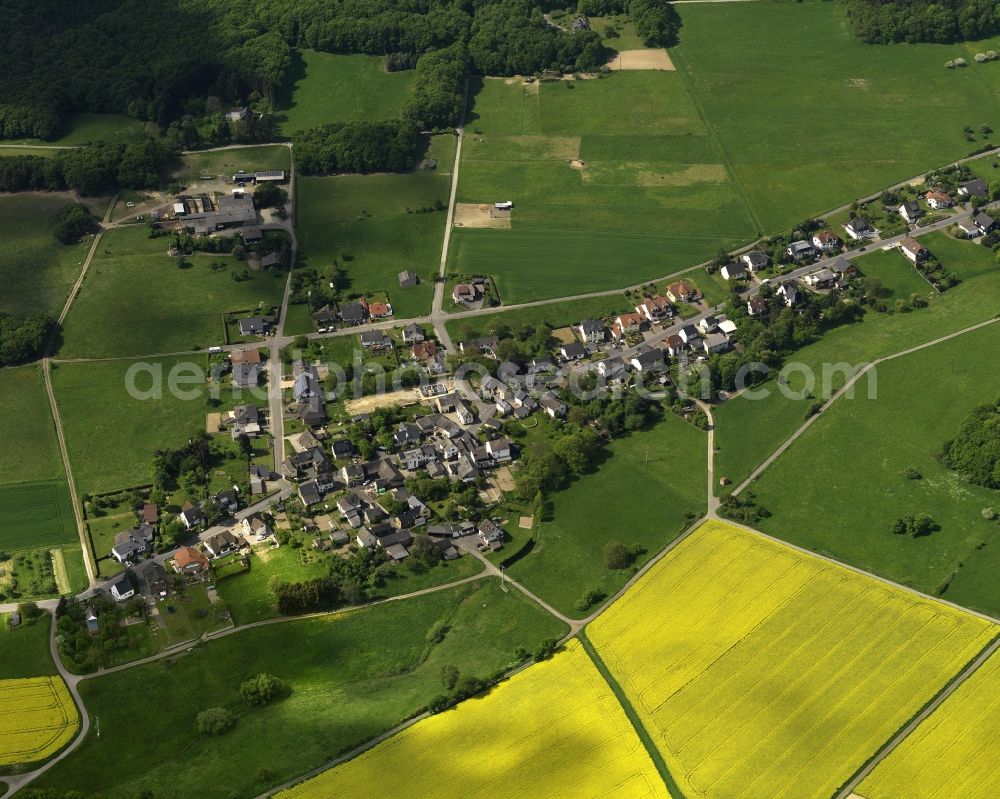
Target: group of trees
x=187 y=466
x=390 y=146
x=435 y=97
x=73 y=223
x=94 y=169
x=975 y=451
x=878 y=21
x=22 y=338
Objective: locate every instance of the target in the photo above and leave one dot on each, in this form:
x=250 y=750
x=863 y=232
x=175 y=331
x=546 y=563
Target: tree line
x=940 y=21
x=975 y=451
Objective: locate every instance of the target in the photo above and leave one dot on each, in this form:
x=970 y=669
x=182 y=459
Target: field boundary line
x=919 y=718
x=78 y=282
x=769 y=461
x=74 y=498
x=630 y=713
x=59 y=571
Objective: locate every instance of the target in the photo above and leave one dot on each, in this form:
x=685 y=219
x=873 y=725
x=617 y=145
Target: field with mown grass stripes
x=553 y=730
x=953 y=753
x=762 y=671
x=37 y=719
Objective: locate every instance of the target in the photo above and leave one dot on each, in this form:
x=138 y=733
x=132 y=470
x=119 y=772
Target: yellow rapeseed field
x=37 y=719
x=954 y=753
x=761 y=671
x=553 y=730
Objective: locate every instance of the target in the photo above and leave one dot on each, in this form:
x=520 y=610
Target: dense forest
x=160 y=60
x=975 y=451
x=942 y=21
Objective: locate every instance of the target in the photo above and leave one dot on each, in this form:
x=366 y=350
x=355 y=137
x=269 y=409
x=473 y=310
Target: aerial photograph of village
x=509 y=399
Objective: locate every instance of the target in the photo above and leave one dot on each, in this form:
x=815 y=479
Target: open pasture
x=750 y=429
x=36 y=271
x=110 y=435
x=900 y=279
x=30 y=449
x=37 y=719
x=325 y=87
x=352 y=676
x=810 y=118
x=760 y=671
x=555 y=729
x=952 y=753
x=229 y=162
x=849 y=470
x=376 y=226
x=85 y=128
x=966 y=259
x=643 y=494
x=136 y=299
x=614 y=180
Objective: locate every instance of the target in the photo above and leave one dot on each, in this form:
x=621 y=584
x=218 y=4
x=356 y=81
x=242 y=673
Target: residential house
x=251 y=234
x=500 y=450
x=734 y=270
x=707 y=324
x=682 y=291
x=237 y=114
x=574 y=351
x=552 y=405
x=244 y=420
x=611 y=369
x=715 y=342
x=191 y=516
x=227 y=500
x=245 y=356
x=484 y=345
x=490 y=533
x=937 y=199
x=727 y=326
x=788 y=292
x=153 y=579
x=150 y=513
x=655 y=308
x=756 y=306
x=325 y=317
x=688 y=333
x=465 y=294
x=974 y=188
x=648 y=360
x=375 y=340
x=820 y=279
x=221 y=544
x=674 y=345
x=984 y=223
x=426 y=352
x=246 y=375
x=826 y=240
x=256 y=325
x=910 y=211
x=188 y=560
x=464 y=412
x=122 y=589
x=590 y=331
x=755 y=260
x=131 y=545
x=254 y=524
x=353 y=313
x=310 y=493
x=913 y=250
x=626 y=324
x=407 y=279
x=379 y=310
x=93 y=627
x=413 y=334
x=342 y=448
x=800 y=250
x=860 y=228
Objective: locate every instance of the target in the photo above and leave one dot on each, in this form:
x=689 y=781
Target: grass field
x=966 y=259
x=614 y=181
x=762 y=672
x=749 y=430
x=36 y=271
x=900 y=279
x=24 y=650
x=348 y=685
x=36 y=514
x=86 y=128
x=373 y=220
x=848 y=470
x=951 y=753
x=641 y=495
x=340 y=88
x=41 y=152
x=781 y=61
x=555 y=729
x=178 y=308
x=229 y=162
x=111 y=436
x=37 y=719
x=30 y=449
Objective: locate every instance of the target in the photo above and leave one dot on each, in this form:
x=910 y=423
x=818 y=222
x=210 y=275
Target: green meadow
x=899 y=278
x=376 y=226
x=555 y=314
x=110 y=435
x=30 y=449
x=36 y=271
x=810 y=118
x=748 y=430
x=614 y=181
x=649 y=488
x=351 y=676
x=849 y=473
x=229 y=162
x=136 y=299
x=340 y=88
x=87 y=128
